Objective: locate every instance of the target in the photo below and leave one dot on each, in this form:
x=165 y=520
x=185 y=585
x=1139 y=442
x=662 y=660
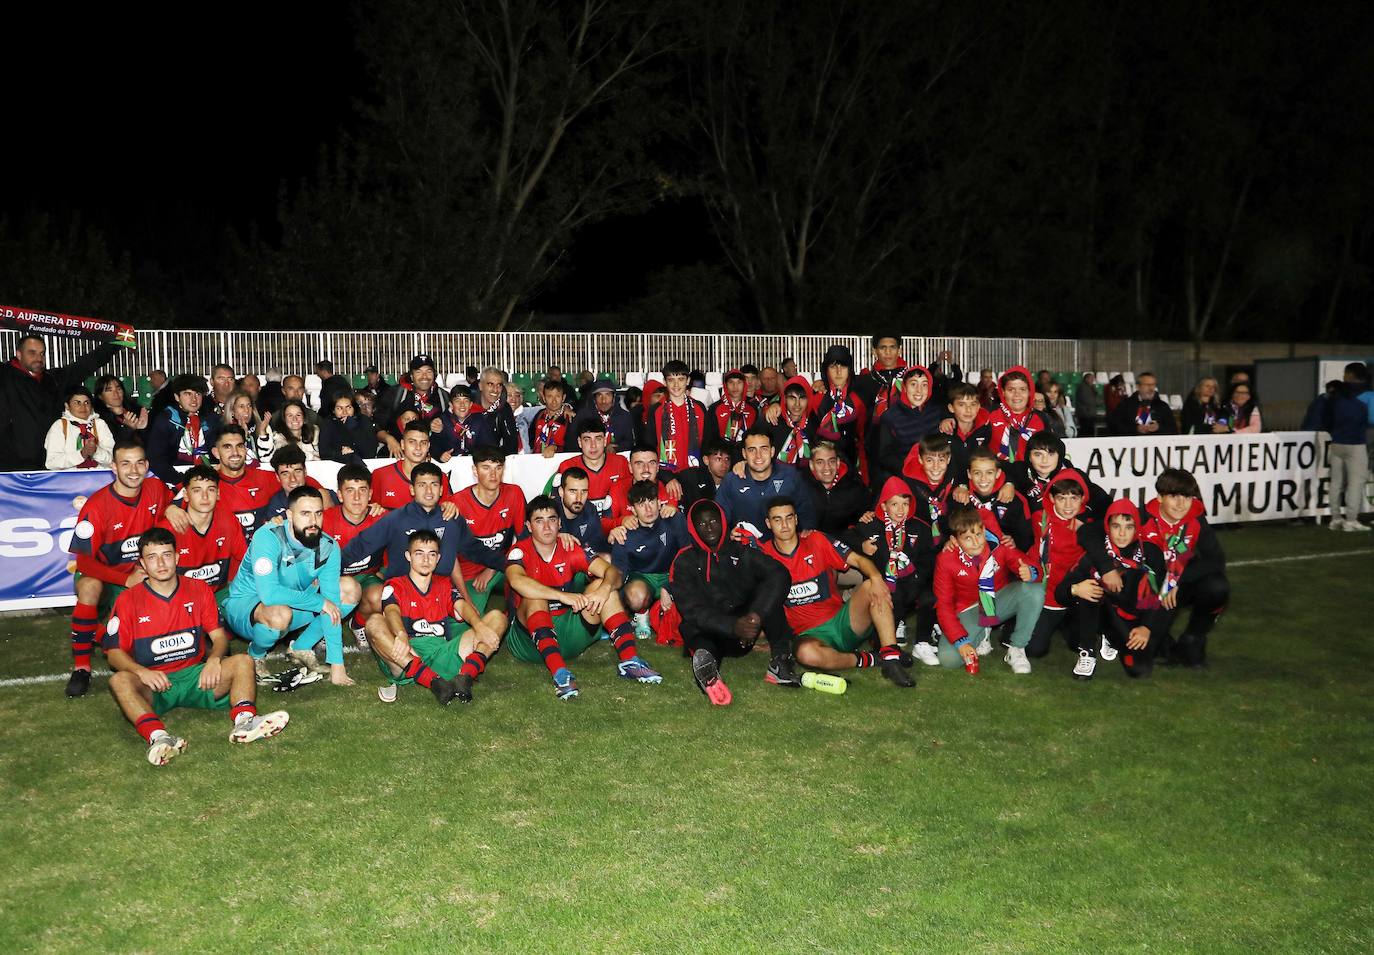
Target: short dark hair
x=1013 y=376
x=879 y=337
x=676 y=367
x=963 y=518
x=714 y=445
x=642 y=491
x=982 y=453
x=422 y=536
x=324 y=364
x=288 y=455
x=759 y=430
x=643 y=448
x=749 y=369
x=302 y=492
x=29 y=336
x=541 y=502
x=154 y=536
x=417 y=425
x=1177 y=481
x=127 y=444
x=1045 y=441
x=73 y=390
x=1066 y=486
x=231 y=429
x=354 y=472
x=934 y=443
x=961 y=389
x=426 y=468
x=483 y=453
x=200 y=473
x=576 y=473
x=782 y=500
x=589 y=426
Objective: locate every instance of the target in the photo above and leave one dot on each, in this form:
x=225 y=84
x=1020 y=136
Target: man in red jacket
x=979 y=583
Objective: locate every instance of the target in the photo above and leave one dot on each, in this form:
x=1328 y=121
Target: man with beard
x=417 y=392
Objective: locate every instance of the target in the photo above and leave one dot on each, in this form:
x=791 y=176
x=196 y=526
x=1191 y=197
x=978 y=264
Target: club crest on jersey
x=777 y=486
x=190 y=606
x=503 y=512
x=252 y=492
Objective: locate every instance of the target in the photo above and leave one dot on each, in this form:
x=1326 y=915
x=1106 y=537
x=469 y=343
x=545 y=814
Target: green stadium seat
x=129 y=385
x=391 y=379
x=359 y=381
x=90 y=384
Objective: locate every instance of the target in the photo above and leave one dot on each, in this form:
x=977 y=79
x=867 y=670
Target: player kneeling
x=555 y=621
x=156 y=641
x=418 y=636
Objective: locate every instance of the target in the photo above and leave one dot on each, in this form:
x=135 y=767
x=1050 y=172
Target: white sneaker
x=1337 y=524
x=263 y=674
x=985 y=645
x=1016 y=659
x=901 y=633
x=360 y=635
x=1106 y=651
x=164 y=748
x=387 y=692
x=1356 y=526
x=1086 y=665
x=307 y=659
x=265 y=725
x=926 y=653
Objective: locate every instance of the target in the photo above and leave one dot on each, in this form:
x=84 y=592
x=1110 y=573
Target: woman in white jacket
x=78 y=439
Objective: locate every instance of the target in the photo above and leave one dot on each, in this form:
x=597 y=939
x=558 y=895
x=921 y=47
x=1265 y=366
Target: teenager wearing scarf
x=792 y=439
x=78 y=439
x=968 y=428
x=881 y=385
x=733 y=415
x=913 y=414
x=979 y=583
x=1015 y=419
x=926 y=471
x=1043 y=461
x=1058 y=549
x=677 y=425
x=898 y=541
x=989 y=490
x=180 y=434
x=1202 y=411
x=838 y=410
x=1195 y=565
x=1114 y=591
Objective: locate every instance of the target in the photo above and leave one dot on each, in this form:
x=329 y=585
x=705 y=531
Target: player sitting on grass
x=167 y=647
x=729 y=594
x=555 y=621
x=976 y=587
x=289 y=584
x=1195 y=566
x=830 y=632
x=105 y=542
x=212 y=547
x=644 y=557
x=1114 y=591
x=418 y=636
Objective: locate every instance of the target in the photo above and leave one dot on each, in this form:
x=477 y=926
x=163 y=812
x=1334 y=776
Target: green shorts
x=368 y=580
x=185 y=691
x=837 y=633
x=655 y=582
x=108 y=593
x=443 y=655
x=574 y=636
x=493 y=598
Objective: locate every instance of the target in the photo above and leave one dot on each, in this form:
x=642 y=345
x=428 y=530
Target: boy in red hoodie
x=926 y=470
x=1058 y=549
x=1195 y=565
x=979 y=583
x=1015 y=419
x=1114 y=591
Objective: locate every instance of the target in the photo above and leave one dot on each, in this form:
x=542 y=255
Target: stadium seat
x=1176 y=402
x=656 y=376
x=634 y=379
x=359 y=381
x=391 y=379
x=714 y=378
x=453 y=380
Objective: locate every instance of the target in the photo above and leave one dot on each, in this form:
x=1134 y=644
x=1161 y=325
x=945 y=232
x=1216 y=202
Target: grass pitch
x=1226 y=810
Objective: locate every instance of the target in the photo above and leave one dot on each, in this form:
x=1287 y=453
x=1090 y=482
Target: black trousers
x=775 y=630
x=911 y=596
x=1205 y=598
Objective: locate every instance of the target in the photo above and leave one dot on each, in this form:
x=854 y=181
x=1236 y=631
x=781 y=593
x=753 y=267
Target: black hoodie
x=713 y=588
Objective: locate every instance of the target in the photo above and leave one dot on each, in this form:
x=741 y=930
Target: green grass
x=1226 y=810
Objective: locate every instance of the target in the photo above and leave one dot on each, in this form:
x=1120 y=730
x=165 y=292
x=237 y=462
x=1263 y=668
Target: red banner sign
x=66 y=326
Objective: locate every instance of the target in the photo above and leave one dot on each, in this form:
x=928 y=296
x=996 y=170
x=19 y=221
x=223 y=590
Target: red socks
x=241 y=707
x=85 y=619
x=622 y=633
x=147 y=725
x=474 y=665
x=540 y=625
x=421 y=674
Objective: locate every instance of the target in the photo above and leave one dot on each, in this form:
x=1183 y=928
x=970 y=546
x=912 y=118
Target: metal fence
x=616 y=353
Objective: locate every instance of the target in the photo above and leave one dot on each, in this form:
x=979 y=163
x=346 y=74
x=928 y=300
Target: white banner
x=1243 y=477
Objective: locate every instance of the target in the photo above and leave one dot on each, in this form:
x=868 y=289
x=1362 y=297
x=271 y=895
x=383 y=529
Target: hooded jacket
x=170 y=445
x=1190 y=547
x=1057 y=546
x=931 y=499
x=1012 y=519
x=841 y=414
x=904 y=425
x=962 y=443
x=1036 y=488
x=956 y=583
x=792 y=441
x=1141 y=565
x=713 y=587
x=62 y=446
x=838 y=506
x=911 y=565
x=1010 y=432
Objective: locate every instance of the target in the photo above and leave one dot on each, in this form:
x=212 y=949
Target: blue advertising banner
x=37 y=513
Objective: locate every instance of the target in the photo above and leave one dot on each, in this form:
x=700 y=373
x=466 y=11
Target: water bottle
x=824 y=682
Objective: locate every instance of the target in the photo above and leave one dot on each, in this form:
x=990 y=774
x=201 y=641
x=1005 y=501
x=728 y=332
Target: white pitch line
x=59 y=677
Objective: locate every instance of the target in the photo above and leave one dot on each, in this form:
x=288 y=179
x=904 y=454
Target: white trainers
x=360 y=636
x=985 y=645
x=1106 y=651
x=164 y=748
x=263 y=726
x=263 y=674
x=1086 y=665
x=901 y=633
x=926 y=653
x=387 y=692
x=1337 y=524
x=1016 y=659
x=307 y=659
x=1356 y=526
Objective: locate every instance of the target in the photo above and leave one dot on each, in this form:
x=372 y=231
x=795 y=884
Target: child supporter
x=989 y=490
x=968 y=429
x=792 y=439
x=1114 y=591
x=980 y=582
x=1195 y=565
x=909 y=418
x=1015 y=420
x=1044 y=460
x=899 y=542
x=457 y=436
x=926 y=471
x=839 y=413
x=1057 y=528
x=79 y=438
